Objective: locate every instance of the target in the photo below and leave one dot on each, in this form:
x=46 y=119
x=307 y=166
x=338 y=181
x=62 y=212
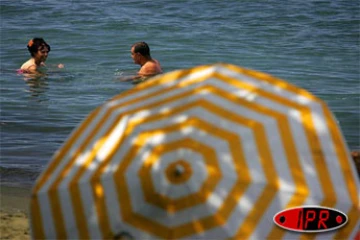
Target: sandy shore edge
x=14 y=212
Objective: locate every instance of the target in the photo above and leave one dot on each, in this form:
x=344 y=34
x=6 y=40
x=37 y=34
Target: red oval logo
x=310 y=219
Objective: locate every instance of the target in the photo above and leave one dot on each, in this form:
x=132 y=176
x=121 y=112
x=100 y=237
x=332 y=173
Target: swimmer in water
x=39 y=51
x=140 y=53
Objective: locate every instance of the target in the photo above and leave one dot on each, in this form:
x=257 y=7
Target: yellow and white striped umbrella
x=210 y=152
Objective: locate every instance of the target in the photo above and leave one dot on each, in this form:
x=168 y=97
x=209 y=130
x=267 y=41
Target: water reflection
x=37 y=85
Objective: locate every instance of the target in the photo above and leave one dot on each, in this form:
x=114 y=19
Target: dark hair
x=37 y=44
x=142 y=48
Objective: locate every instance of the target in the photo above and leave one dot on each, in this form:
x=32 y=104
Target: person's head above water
x=142 y=48
x=140 y=53
x=38 y=44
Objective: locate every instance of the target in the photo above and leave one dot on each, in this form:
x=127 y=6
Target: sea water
x=312 y=44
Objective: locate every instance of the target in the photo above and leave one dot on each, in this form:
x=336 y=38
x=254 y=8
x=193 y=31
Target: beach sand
x=14 y=203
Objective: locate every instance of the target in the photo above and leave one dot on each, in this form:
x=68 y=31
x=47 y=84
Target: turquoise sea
x=313 y=44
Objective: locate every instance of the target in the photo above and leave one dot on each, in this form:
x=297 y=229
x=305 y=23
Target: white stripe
x=91 y=218
x=117 y=224
x=332 y=162
x=46 y=215
x=300 y=140
x=279 y=157
x=248 y=140
x=268 y=87
x=86 y=192
x=64 y=196
x=112 y=204
x=320 y=125
x=81 y=159
x=303 y=150
x=238 y=215
x=266 y=223
x=68 y=213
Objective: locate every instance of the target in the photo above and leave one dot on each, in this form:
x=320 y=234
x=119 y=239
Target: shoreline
x=14 y=212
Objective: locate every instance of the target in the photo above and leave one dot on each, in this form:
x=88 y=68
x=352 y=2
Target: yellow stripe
x=260 y=76
x=342 y=155
x=36 y=219
x=162 y=201
x=340 y=149
x=77 y=208
x=35 y=207
x=344 y=161
x=53 y=195
x=313 y=139
x=302 y=190
x=75 y=193
x=330 y=197
x=266 y=161
x=57 y=213
x=269 y=191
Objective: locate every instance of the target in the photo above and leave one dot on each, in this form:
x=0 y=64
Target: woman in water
x=39 y=51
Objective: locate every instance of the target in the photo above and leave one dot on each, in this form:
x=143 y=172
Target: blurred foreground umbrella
x=210 y=152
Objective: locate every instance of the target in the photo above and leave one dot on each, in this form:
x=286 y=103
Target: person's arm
x=130 y=78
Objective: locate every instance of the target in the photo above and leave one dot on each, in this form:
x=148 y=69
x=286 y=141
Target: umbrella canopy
x=210 y=152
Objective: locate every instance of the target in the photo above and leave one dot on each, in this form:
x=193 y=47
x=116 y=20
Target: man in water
x=140 y=53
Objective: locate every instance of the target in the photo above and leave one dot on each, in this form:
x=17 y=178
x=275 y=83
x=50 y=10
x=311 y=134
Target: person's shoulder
x=29 y=66
x=150 y=68
x=155 y=65
x=156 y=62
